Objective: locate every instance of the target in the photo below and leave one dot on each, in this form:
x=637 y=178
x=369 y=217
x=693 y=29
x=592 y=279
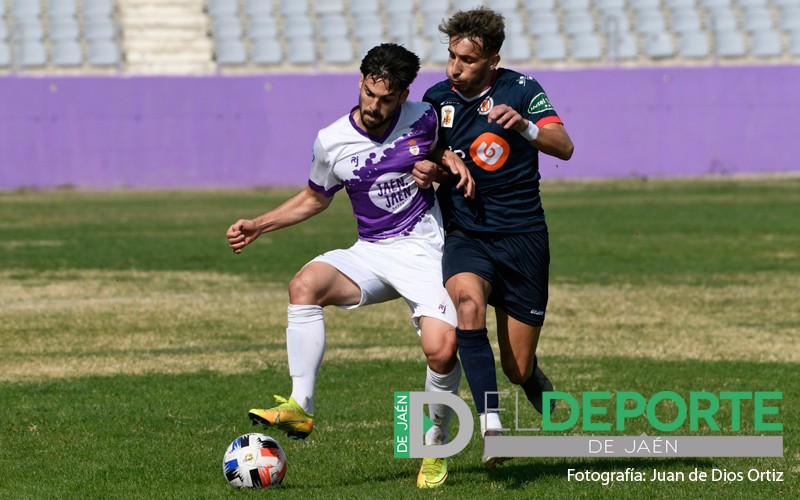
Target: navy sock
x=477 y=360
x=531 y=386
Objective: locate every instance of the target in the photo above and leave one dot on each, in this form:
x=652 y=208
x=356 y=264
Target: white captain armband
x=531 y=132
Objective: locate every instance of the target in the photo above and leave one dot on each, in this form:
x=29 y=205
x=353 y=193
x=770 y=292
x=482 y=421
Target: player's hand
x=424 y=173
x=507 y=117
x=241 y=233
x=459 y=168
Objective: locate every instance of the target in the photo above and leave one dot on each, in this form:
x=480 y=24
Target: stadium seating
x=186 y=36
x=54 y=35
x=551 y=47
x=658 y=45
x=338 y=50
x=517 y=47
x=693 y=45
x=686 y=21
x=543 y=23
x=5 y=54
x=540 y=5
x=302 y=51
x=262 y=27
x=62 y=8
x=66 y=28
x=622 y=47
x=358 y=7
x=794 y=43
x=258 y=8
x=730 y=43
x=766 y=43
x=103 y=52
x=67 y=53
x=25 y=9
x=98 y=8
x=587 y=47
x=31 y=53
x=266 y=51
x=230 y=52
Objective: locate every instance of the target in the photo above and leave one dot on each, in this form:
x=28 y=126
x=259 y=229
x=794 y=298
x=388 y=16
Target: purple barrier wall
x=258 y=130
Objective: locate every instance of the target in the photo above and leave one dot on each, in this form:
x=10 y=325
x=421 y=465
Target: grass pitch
x=133 y=342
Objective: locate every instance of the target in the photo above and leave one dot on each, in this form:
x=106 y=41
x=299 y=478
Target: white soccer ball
x=254 y=461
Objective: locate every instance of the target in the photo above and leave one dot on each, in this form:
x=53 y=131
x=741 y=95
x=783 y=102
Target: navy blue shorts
x=516 y=265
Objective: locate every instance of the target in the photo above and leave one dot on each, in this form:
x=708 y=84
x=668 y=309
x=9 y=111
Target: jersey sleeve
x=322 y=178
x=536 y=106
x=430 y=99
x=435 y=127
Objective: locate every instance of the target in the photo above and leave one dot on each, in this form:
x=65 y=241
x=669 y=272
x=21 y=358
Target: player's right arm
x=304 y=205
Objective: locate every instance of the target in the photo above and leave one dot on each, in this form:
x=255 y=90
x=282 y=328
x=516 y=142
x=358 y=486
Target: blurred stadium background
x=189 y=93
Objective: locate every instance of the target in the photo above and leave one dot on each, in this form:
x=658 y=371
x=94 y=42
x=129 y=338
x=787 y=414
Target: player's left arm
x=551 y=138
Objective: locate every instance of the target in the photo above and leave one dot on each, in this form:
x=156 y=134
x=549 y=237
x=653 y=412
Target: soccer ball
x=254 y=461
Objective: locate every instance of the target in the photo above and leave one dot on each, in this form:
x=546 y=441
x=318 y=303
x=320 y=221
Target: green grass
x=159 y=435
x=132 y=341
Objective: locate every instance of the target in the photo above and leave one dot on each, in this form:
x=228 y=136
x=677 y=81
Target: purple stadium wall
x=258 y=130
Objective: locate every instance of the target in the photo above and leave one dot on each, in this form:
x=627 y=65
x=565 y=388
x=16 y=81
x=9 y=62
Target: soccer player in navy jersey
x=496 y=248
x=370 y=152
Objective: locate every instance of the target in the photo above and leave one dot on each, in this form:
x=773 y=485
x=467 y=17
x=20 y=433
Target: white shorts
x=407 y=266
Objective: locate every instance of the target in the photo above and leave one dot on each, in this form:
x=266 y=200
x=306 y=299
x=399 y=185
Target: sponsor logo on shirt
x=489 y=151
x=393 y=191
x=539 y=104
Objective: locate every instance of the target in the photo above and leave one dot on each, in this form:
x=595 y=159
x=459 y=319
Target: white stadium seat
x=693 y=45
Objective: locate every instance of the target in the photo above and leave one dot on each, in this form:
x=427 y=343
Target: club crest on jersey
x=413 y=148
x=448 y=114
x=486 y=106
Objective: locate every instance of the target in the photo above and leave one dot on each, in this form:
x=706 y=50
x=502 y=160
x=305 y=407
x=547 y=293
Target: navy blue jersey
x=504 y=164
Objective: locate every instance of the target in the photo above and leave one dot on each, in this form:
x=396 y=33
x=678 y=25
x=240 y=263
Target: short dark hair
x=391 y=63
x=481 y=26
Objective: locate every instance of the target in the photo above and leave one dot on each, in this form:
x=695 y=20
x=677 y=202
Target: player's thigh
x=361 y=265
x=320 y=283
x=518 y=342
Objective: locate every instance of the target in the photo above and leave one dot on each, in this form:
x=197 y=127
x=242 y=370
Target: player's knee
x=471 y=312
x=517 y=371
x=442 y=361
x=515 y=378
x=303 y=291
x=441 y=356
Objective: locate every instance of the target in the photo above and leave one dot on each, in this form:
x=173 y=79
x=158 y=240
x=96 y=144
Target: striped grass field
x=133 y=342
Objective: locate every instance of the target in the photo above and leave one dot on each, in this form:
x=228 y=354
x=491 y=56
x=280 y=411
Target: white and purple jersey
x=376 y=171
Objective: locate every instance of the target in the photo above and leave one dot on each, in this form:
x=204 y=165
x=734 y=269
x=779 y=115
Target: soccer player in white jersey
x=370 y=152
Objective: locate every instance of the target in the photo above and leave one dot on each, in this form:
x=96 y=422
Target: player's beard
x=372 y=121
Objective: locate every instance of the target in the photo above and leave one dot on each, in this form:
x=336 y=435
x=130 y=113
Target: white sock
x=305 y=346
x=490 y=420
x=441 y=414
